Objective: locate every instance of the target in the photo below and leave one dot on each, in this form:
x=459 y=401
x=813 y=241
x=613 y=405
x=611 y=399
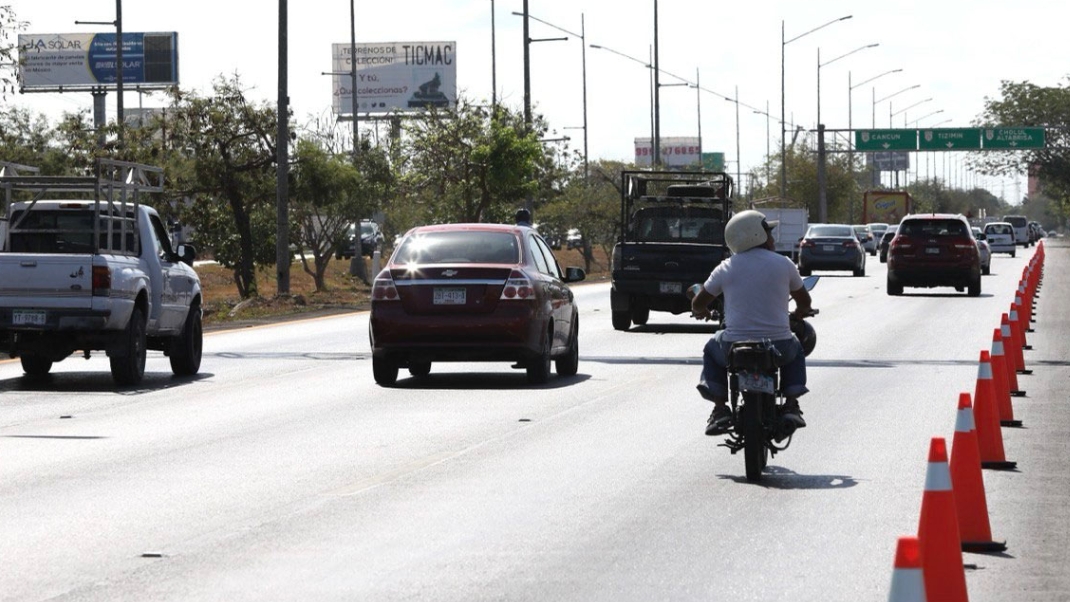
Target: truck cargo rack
x=116 y=189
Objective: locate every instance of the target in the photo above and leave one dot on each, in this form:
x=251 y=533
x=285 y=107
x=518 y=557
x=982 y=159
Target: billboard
x=81 y=61
x=889 y=161
x=675 y=152
x=395 y=76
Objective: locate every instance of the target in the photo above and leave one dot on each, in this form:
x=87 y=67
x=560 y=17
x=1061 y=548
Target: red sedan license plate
x=449 y=296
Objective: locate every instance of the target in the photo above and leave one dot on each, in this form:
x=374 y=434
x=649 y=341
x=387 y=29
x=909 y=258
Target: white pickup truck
x=85 y=275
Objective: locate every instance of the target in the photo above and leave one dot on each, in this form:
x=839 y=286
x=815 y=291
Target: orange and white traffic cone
x=971 y=506
x=999 y=382
x=1008 y=360
x=908 y=584
x=1026 y=315
x=1018 y=321
x=938 y=531
x=989 y=436
x=1013 y=350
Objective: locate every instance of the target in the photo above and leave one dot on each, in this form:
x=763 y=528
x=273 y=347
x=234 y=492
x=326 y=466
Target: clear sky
x=957 y=52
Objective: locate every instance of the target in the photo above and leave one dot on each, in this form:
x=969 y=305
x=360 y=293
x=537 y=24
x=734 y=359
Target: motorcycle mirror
x=810 y=282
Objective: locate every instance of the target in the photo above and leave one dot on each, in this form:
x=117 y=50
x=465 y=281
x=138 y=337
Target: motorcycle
x=755 y=397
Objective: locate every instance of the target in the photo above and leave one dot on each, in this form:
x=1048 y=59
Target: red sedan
x=474 y=293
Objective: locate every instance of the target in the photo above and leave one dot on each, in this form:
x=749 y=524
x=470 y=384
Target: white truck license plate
x=449 y=296
x=28 y=318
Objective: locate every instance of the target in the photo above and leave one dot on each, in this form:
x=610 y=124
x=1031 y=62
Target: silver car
x=1000 y=237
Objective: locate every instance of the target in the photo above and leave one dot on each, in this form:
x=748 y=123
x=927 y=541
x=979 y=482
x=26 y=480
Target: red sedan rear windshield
x=462 y=246
x=933 y=227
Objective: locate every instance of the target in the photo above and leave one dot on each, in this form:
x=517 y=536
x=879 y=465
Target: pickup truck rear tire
x=186 y=347
x=129 y=368
x=35 y=365
x=622 y=320
x=640 y=315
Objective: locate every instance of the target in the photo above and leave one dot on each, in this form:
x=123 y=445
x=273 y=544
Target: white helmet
x=746 y=230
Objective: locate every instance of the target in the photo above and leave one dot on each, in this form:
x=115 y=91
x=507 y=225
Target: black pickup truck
x=672 y=236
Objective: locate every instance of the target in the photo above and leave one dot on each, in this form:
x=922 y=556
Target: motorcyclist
x=756 y=283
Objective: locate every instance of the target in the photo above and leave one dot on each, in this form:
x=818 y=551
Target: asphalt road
x=283 y=472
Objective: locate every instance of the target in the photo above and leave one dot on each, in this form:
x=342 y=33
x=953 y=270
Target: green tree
x=10 y=27
x=1027 y=104
x=219 y=151
x=592 y=206
x=465 y=164
x=330 y=193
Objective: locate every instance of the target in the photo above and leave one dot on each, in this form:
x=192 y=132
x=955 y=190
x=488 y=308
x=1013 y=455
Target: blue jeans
x=713 y=383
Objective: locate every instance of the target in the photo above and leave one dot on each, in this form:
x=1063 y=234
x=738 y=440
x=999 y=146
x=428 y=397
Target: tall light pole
x=822 y=184
x=890 y=96
x=583 y=49
x=783 y=127
x=767 y=119
x=829 y=62
x=850 y=96
x=903 y=110
x=657 y=95
x=739 y=169
x=353 y=77
x=493 y=63
x=649 y=66
x=698 y=112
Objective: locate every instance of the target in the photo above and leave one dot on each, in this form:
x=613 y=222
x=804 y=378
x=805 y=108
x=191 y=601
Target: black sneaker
x=720 y=421
x=790 y=412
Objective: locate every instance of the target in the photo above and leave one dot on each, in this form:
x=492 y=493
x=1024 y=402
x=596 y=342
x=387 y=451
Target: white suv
x=1000 y=237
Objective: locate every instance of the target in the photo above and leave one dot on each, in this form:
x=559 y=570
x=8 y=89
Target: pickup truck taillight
x=101 y=281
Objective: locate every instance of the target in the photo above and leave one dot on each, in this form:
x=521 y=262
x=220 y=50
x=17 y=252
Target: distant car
x=1034 y=232
x=1000 y=237
x=473 y=293
x=886 y=239
x=368 y=235
x=932 y=250
x=573 y=239
x=866 y=237
x=877 y=228
x=831 y=247
x=984 y=251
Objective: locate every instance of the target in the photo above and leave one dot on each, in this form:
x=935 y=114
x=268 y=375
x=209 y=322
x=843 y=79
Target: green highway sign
x=950 y=139
x=883 y=140
x=1013 y=138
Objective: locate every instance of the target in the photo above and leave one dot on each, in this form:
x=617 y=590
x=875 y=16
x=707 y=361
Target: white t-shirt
x=757 y=285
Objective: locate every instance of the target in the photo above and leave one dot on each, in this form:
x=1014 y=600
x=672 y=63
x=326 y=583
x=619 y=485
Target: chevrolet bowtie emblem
x=449 y=273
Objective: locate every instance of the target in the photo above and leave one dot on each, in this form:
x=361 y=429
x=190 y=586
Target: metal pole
x=739 y=177
x=767 y=176
x=119 y=69
x=527 y=73
x=698 y=112
x=819 y=86
x=282 y=139
x=822 y=197
x=353 y=76
x=657 y=94
x=583 y=42
x=493 y=62
x=783 y=126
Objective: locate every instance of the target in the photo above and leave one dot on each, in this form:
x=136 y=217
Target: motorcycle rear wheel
x=755 y=453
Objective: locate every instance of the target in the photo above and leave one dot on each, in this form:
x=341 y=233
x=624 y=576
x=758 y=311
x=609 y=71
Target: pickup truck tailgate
x=46 y=281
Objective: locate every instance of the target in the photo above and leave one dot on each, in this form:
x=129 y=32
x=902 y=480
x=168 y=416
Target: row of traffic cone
x=954 y=509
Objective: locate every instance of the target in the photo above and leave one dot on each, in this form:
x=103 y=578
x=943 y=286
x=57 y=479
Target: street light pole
x=783 y=126
x=657 y=95
x=353 y=76
x=822 y=183
x=583 y=47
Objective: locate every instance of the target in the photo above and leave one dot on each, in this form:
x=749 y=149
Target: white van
x=1021 y=228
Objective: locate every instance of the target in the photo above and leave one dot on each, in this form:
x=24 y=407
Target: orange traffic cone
x=971 y=506
x=1027 y=307
x=1013 y=350
x=908 y=585
x=1018 y=321
x=938 y=531
x=1008 y=361
x=999 y=381
x=989 y=437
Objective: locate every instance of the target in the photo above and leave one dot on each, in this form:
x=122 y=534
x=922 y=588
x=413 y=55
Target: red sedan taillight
x=518 y=287
x=101 y=281
x=383 y=288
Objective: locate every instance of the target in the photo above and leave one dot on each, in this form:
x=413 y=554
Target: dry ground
x=223 y=306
